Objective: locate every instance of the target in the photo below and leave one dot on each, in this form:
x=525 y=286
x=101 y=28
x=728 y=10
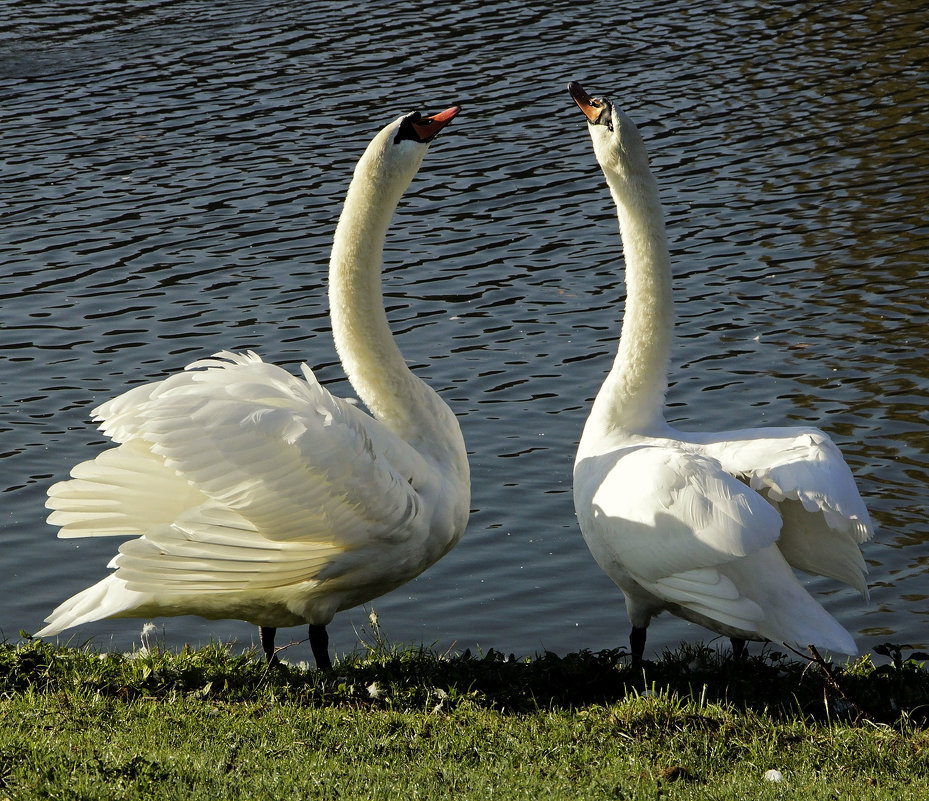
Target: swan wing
x=658 y=511
x=125 y=491
x=803 y=473
x=210 y=561
x=703 y=544
x=287 y=455
x=294 y=461
x=709 y=595
x=214 y=550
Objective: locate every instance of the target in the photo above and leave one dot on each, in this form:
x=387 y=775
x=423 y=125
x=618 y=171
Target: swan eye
x=605 y=117
x=406 y=129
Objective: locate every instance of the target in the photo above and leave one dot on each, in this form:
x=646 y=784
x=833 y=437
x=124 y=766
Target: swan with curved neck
x=707 y=526
x=252 y=494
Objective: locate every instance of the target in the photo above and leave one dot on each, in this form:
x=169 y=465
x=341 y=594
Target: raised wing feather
x=125 y=491
x=803 y=474
x=797 y=464
x=283 y=453
x=211 y=549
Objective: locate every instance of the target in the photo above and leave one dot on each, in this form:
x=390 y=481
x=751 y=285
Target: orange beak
x=428 y=127
x=591 y=107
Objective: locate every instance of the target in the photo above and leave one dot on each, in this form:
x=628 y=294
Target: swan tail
x=811 y=625
x=792 y=615
x=830 y=635
x=107 y=598
x=757 y=597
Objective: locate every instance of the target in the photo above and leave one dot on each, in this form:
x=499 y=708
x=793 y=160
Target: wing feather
x=214 y=550
x=238 y=476
x=710 y=594
x=284 y=453
x=803 y=465
x=125 y=491
x=662 y=511
x=802 y=473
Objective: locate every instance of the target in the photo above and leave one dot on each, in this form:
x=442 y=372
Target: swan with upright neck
x=250 y=493
x=708 y=526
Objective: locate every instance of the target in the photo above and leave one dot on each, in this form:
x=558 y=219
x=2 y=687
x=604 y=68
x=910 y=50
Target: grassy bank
x=214 y=723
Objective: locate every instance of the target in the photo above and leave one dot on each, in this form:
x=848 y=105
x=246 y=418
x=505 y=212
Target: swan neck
x=632 y=397
x=372 y=361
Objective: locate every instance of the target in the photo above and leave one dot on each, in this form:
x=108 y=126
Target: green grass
x=410 y=723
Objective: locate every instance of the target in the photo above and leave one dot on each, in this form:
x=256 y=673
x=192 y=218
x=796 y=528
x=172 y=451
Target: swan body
x=708 y=526
x=250 y=493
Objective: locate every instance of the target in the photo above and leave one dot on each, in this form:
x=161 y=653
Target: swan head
x=396 y=153
x=414 y=127
x=617 y=142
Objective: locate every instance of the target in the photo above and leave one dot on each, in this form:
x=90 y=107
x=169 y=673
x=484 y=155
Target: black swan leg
x=266 y=636
x=637 y=644
x=319 y=642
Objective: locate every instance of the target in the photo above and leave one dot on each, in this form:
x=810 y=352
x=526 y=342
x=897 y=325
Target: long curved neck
x=632 y=396
x=371 y=359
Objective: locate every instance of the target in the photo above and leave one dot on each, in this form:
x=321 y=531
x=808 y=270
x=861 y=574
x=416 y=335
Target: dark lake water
x=172 y=172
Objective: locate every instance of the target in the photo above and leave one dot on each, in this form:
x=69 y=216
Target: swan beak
x=591 y=107
x=428 y=127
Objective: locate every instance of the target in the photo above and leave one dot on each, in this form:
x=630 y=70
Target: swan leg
x=266 y=637
x=637 y=644
x=738 y=648
x=319 y=642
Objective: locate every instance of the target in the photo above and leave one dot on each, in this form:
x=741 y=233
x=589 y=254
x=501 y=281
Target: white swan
x=255 y=495
x=706 y=526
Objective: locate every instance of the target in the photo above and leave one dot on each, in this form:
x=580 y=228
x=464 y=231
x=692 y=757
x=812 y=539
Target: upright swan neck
x=632 y=396
x=372 y=361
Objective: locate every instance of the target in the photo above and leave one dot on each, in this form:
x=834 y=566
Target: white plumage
x=707 y=526
x=254 y=494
